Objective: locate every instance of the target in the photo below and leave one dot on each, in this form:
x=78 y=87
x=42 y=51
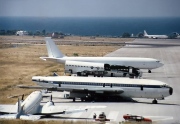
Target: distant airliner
x=30 y=108
x=54 y=54
x=155 y=36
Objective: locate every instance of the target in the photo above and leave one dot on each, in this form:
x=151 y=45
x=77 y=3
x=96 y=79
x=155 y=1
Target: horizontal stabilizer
x=49 y=59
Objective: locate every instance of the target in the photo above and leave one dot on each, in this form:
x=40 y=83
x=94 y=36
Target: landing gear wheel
x=149 y=71
x=83 y=99
x=124 y=75
x=74 y=99
x=154 y=101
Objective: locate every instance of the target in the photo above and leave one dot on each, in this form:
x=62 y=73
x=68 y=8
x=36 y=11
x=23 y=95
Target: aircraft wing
x=8 y=116
x=8 y=109
x=41 y=87
x=52 y=110
x=98 y=90
x=23 y=117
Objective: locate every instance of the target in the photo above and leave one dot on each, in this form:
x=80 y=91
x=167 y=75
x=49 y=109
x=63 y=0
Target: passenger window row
x=85 y=66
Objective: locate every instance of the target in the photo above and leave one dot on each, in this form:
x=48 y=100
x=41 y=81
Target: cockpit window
x=158 y=61
x=165 y=85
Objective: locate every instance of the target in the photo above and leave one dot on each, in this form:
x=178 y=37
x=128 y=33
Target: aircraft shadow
x=97 y=101
x=158 y=103
x=130 y=100
x=60 y=117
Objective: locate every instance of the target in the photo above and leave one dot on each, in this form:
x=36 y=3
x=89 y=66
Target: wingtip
x=42 y=58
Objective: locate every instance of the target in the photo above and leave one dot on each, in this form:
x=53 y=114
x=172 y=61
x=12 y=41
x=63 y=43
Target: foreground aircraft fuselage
x=54 y=54
x=124 y=87
x=30 y=108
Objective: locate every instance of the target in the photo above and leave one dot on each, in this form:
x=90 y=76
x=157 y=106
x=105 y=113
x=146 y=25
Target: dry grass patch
x=44 y=122
x=65 y=122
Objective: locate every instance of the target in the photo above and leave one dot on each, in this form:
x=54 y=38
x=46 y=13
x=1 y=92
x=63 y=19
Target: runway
x=166 y=111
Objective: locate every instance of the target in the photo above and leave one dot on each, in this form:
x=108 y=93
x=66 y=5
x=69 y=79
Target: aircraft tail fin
x=145 y=33
x=52 y=49
x=19 y=109
x=55 y=74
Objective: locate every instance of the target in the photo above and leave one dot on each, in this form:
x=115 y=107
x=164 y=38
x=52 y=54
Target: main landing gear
x=149 y=71
x=154 y=101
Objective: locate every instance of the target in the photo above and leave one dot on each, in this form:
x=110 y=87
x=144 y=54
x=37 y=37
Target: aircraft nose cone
x=160 y=64
x=170 y=90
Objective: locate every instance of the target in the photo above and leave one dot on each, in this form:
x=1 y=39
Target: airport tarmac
x=166 y=111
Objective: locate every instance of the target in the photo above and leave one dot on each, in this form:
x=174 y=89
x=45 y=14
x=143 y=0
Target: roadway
x=166 y=111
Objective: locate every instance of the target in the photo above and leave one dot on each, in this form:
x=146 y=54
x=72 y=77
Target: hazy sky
x=90 y=8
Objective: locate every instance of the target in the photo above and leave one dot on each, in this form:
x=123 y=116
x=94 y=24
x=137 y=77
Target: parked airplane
x=30 y=108
x=95 y=88
x=155 y=36
x=54 y=54
x=177 y=36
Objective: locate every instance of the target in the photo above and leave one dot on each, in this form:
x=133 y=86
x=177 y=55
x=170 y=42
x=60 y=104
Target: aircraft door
x=107 y=67
x=144 y=64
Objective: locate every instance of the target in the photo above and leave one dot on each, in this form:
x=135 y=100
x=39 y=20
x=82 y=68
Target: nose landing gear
x=154 y=101
x=149 y=71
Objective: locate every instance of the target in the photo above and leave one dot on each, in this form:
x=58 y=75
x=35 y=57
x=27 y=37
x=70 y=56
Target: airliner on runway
x=30 y=109
x=92 y=87
x=54 y=54
x=155 y=36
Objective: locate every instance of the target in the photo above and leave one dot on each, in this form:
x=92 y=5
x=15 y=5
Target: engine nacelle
x=50 y=103
x=46 y=108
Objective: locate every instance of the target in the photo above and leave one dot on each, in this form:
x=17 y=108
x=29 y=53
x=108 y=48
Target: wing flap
x=8 y=109
x=8 y=116
x=30 y=117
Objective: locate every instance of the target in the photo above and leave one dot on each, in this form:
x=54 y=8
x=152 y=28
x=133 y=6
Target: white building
x=21 y=33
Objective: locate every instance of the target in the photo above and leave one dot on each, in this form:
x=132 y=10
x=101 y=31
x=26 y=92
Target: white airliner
x=155 y=36
x=54 y=54
x=84 y=87
x=30 y=108
x=178 y=36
